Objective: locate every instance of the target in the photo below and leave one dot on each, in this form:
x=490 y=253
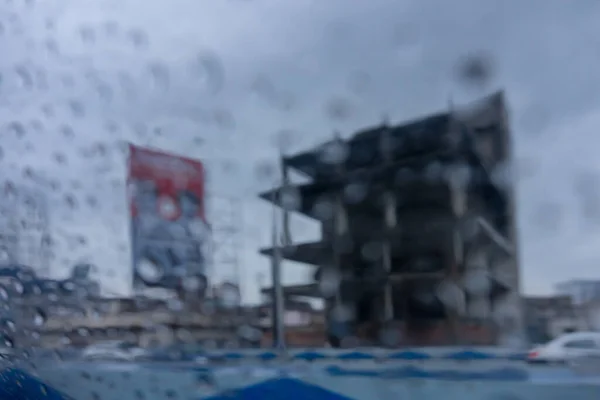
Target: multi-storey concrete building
x=418 y=230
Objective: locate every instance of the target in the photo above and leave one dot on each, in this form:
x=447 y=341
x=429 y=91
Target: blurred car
x=566 y=348
x=117 y=351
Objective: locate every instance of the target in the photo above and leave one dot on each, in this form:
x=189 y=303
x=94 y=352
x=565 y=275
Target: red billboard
x=169 y=229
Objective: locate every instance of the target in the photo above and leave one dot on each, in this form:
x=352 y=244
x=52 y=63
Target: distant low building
x=580 y=290
x=304 y=325
x=548 y=317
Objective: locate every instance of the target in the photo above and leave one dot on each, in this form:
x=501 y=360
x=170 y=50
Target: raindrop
x=477 y=282
x=67 y=131
x=92 y=201
x=17 y=287
x=329 y=281
x=77 y=108
x=451 y=295
x=111 y=28
x=39 y=317
x=149 y=271
x=223 y=118
x=83 y=332
x=194 y=284
x=229 y=296
x=342 y=313
x=60 y=158
x=70 y=201
x=359 y=82
x=371 y=251
x=433 y=172
x=8 y=342
x=290 y=199
x=160 y=75
x=283 y=140
x=4 y=295
x=355 y=193
x=208 y=307
x=10 y=325
x=478 y=308
x=349 y=342
x=339 y=109
x=209 y=70
x=127 y=83
x=48 y=110
x=104 y=91
x=335 y=152
x=390 y=335
x=175 y=305
x=138 y=38
x=265 y=170
x=266 y=90
x=4 y=255
x=501 y=175
x=24 y=76
x=87 y=34
x=16 y=128
x=249 y=333
x=459 y=176
x=323 y=209
x=475 y=69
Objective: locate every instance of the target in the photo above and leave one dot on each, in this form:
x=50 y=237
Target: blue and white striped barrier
x=372 y=354
x=326 y=374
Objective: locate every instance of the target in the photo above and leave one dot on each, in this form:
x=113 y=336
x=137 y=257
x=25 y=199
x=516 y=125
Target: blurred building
x=24 y=227
x=580 y=290
x=28 y=300
x=305 y=325
x=418 y=230
x=548 y=317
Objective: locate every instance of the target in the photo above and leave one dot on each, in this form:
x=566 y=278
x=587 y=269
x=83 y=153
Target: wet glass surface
x=365 y=199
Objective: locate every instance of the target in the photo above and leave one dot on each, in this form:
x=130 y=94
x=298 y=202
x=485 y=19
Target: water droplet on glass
x=339 y=109
x=149 y=271
x=249 y=333
x=290 y=198
x=342 y=313
x=475 y=69
x=207 y=68
x=39 y=317
x=458 y=176
x=477 y=281
x=334 y=152
x=323 y=209
x=17 y=287
x=329 y=281
x=371 y=251
x=4 y=295
x=355 y=193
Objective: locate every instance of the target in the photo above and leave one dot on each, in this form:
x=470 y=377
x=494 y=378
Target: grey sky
x=217 y=80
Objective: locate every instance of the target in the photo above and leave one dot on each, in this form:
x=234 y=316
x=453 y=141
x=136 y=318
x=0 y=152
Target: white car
x=566 y=348
x=118 y=351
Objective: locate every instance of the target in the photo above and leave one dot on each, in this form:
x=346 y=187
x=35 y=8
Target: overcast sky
x=220 y=80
